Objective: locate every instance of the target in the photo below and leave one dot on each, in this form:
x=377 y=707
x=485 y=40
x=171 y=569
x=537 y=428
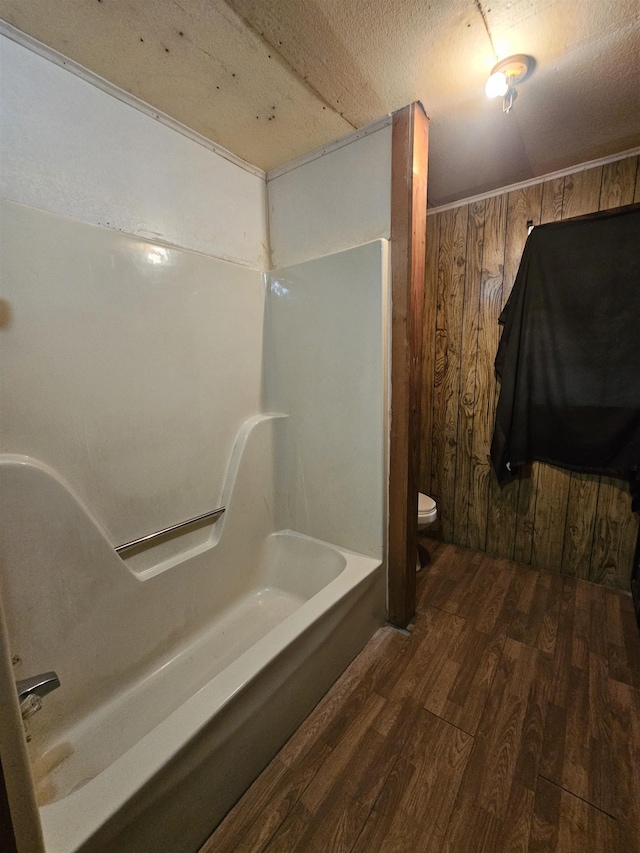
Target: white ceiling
x=272 y=79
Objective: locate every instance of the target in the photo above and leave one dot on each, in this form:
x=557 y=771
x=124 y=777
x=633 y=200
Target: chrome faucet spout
x=37 y=685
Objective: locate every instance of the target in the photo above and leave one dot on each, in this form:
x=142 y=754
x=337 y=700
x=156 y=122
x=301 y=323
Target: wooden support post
x=408 y=233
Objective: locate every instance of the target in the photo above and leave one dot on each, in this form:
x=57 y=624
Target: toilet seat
x=427 y=510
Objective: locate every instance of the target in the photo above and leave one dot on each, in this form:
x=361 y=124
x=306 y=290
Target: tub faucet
x=31 y=691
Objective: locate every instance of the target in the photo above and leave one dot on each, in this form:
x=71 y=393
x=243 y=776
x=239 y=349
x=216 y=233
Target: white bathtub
x=157 y=767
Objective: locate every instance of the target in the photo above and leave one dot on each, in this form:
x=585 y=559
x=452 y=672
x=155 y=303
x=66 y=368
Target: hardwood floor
x=508 y=719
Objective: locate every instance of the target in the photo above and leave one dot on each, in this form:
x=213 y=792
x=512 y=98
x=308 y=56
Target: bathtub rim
x=71 y=821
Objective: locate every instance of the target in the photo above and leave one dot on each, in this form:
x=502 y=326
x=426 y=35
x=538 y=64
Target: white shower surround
x=58 y=538
x=133 y=755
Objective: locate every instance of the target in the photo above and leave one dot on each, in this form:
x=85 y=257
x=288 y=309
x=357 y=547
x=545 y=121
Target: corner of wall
x=333 y=199
x=78 y=147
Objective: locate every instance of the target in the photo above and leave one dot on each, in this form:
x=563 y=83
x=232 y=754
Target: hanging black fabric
x=569 y=357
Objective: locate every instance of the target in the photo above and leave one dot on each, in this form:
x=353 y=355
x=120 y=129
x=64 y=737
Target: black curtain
x=569 y=356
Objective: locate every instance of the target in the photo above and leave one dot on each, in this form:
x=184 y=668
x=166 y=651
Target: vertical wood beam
x=408 y=243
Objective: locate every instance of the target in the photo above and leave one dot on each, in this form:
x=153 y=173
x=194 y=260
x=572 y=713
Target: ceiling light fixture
x=506 y=75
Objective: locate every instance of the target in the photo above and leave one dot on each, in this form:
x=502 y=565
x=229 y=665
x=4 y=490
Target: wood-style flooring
x=507 y=719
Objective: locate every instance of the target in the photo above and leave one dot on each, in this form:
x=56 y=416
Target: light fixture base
x=515 y=68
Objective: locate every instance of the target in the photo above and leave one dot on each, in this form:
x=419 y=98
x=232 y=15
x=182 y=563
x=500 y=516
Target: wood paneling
x=450 y=301
x=493 y=245
x=408 y=237
x=577 y=524
x=508 y=719
x=429 y=341
x=522 y=206
x=470 y=329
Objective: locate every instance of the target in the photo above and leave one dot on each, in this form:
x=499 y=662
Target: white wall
x=128 y=365
x=326 y=336
x=335 y=201
x=70 y=148
x=325 y=366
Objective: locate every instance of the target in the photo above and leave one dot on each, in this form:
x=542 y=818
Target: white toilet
x=427 y=511
x=427 y=514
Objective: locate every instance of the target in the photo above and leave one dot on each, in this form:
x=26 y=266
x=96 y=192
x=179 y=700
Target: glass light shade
x=497 y=85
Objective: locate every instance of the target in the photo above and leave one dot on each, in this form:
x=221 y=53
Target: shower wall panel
x=326 y=367
x=127 y=366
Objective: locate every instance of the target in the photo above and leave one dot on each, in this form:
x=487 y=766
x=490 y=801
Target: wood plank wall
x=578 y=524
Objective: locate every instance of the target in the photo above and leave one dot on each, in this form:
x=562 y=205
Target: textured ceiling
x=272 y=80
